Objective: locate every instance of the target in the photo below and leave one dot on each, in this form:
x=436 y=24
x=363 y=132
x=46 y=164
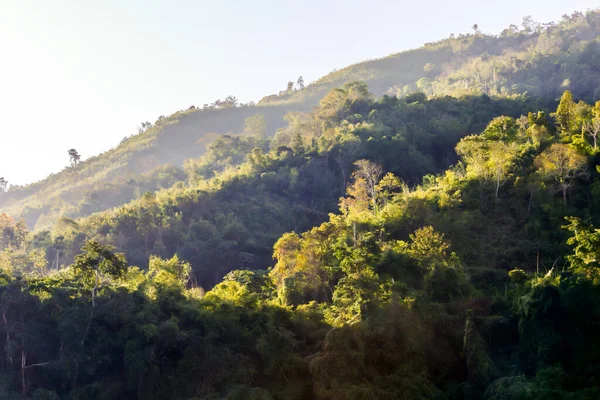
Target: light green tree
x=562 y=164
x=488 y=159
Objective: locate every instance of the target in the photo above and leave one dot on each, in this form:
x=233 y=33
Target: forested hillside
x=480 y=283
x=291 y=182
x=533 y=59
x=401 y=241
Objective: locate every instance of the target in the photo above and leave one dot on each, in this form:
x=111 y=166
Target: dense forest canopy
x=432 y=238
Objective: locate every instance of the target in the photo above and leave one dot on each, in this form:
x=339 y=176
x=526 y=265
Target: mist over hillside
x=533 y=60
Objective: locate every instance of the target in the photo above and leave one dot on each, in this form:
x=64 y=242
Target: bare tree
x=3 y=185
x=592 y=129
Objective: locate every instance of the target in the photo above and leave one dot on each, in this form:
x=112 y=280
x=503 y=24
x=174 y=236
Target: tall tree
x=300 y=83
x=371 y=172
x=95 y=263
x=500 y=161
x=3 y=185
x=565 y=114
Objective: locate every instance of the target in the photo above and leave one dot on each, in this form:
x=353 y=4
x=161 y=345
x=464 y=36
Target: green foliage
x=565 y=114
x=373 y=302
x=561 y=164
x=586 y=246
x=432 y=281
x=245 y=192
x=518 y=276
x=96 y=259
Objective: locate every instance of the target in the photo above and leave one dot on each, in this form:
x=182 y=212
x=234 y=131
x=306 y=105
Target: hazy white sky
x=84 y=74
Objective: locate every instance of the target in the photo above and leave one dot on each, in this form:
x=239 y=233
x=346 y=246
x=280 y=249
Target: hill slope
x=537 y=60
x=381 y=251
x=461 y=288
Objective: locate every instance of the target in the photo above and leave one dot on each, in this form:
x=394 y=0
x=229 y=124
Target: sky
x=84 y=74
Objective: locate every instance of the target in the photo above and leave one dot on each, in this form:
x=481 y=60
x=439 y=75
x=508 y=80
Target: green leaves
x=491 y=156
x=565 y=114
x=562 y=165
x=501 y=128
x=96 y=260
x=586 y=246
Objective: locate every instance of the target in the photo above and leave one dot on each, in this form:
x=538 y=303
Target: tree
x=371 y=173
x=428 y=246
x=257 y=160
x=352 y=98
x=290 y=87
x=487 y=159
x=74 y=157
x=300 y=83
x=171 y=273
x=538 y=135
x=441 y=270
x=357 y=199
x=297 y=123
x=95 y=261
x=535 y=126
x=228 y=102
x=592 y=129
x=501 y=128
x=297 y=274
x=256 y=125
x=298 y=144
x=13 y=234
x=389 y=185
x=145 y=126
x=530 y=25
x=3 y=185
x=565 y=114
x=500 y=161
x=563 y=164
x=586 y=245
